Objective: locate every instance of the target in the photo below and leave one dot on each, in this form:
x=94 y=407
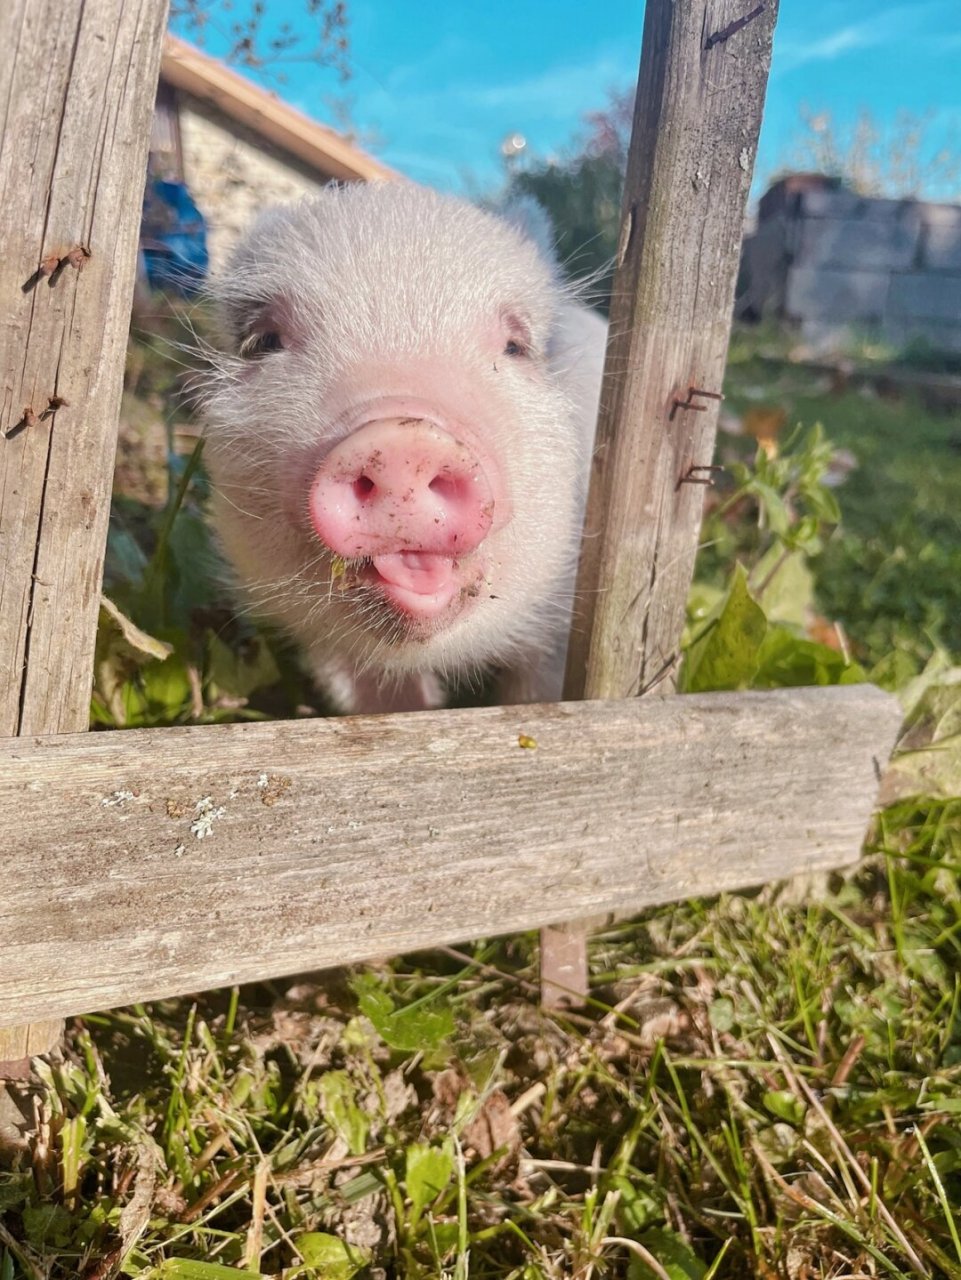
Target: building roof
x=184 y=67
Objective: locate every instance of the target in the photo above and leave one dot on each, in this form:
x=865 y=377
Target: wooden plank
x=76 y=92
x=697 y=115
x=76 y=95
x=334 y=841
x=698 y=112
x=564 y=974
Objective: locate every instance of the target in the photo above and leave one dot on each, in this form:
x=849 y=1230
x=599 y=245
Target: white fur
x=392 y=289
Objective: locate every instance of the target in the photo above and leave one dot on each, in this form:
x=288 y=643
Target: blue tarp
x=173 y=237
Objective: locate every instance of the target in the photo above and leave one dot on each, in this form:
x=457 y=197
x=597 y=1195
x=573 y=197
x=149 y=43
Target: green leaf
x=894 y=671
x=774 y=507
x=675 y=1256
x=182 y=555
x=444 y=1238
x=420 y=1027
x=784 y=585
x=727 y=656
x=194 y=561
x=928 y=757
x=805 y=535
x=47 y=1224
x=167 y=687
x=428 y=1173
x=787 y=660
x=823 y=503
x=15 y=1189
x=937 y=671
x=239 y=674
x=721 y=1014
x=122 y=649
x=704 y=602
x=341 y=1111
x=333 y=1258
x=636 y=1208
x=125 y=561
x=778 y=1141
x=785 y=1105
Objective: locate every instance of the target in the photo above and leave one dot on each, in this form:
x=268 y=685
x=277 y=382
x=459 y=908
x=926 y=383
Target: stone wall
x=832 y=263
x=233 y=174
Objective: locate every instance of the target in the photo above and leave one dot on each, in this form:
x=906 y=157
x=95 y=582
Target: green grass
x=892 y=573
x=764 y=1084
x=759 y=1080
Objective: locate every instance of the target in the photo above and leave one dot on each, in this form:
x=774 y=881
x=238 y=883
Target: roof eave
x=203 y=77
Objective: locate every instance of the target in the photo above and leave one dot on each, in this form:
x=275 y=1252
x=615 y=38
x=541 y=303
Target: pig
x=399 y=431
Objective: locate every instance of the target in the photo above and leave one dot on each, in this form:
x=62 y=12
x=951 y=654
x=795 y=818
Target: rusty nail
x=690 y=477
x=708 y=395
x=28 y=419
x=53 y=404
x=49 y=265
x=77 y=257
x=686 y=404
x=733 y=27
x=689 y=402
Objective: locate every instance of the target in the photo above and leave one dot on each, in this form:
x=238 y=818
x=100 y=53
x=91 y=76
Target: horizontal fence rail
x=151 y=863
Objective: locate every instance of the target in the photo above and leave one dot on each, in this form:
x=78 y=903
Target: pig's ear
x=525 y=215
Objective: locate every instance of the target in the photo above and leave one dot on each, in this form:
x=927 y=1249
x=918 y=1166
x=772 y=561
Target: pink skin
x=414 y=496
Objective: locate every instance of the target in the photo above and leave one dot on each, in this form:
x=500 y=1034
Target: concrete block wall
x=829 y=262
x=233 y=174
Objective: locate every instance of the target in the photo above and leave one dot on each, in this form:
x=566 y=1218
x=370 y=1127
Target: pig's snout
x=406 y=495
x=401 y=485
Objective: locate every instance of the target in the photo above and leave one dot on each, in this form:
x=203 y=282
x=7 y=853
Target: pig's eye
x=517 y=336
x=261 y=343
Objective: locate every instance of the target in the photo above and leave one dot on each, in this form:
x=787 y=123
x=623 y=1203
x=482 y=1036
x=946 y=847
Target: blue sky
x=436 y=86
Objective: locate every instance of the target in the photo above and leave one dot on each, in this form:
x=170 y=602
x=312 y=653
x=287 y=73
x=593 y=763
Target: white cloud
x=551 y=92
x=901 y=23
x=555 y=93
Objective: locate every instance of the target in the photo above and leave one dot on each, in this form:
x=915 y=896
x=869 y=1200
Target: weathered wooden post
x=697 y=116
x=77 y=85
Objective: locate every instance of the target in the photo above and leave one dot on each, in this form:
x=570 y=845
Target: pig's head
x=394 y=466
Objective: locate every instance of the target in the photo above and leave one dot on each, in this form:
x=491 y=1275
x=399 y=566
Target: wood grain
x=334 y=841
x=77 y=82
x=76 y=97
x=696 y=123
x=697 y=116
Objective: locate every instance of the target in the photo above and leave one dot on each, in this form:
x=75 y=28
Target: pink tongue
x=424 y=573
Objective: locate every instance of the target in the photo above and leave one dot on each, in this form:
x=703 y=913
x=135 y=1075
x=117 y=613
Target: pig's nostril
x=363 y=487
x=446 y=486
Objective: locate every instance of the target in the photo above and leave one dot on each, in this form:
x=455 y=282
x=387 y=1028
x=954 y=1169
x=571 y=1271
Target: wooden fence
x=152 y=863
